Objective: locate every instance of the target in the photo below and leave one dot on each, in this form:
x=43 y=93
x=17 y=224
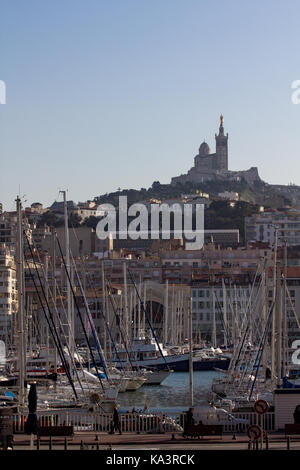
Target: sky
x=102 y=94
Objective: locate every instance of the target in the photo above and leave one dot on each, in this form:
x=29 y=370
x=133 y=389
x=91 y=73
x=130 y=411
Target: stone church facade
x=211 y=166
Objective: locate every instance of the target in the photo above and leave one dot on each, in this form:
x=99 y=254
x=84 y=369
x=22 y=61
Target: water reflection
x=172 y=394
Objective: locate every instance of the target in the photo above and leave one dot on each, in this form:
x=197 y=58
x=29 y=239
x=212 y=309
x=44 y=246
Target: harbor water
x=171 y=395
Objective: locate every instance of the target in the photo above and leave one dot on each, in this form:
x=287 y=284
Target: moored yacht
x=146 y=353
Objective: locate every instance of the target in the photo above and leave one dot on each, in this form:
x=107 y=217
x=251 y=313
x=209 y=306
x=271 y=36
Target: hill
x=260 y=193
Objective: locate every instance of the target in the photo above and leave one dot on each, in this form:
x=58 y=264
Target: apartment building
x=8 y=292
x=262 y=227
x=8 y=229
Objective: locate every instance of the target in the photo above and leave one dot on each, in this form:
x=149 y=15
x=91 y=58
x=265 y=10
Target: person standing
x=116 y=424
x=189 y=419
x=190 y=416
x=297 y=415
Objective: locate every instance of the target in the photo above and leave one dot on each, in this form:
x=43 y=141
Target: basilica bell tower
x=221 y=147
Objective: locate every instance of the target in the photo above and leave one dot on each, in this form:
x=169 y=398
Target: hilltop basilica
x=212 y=166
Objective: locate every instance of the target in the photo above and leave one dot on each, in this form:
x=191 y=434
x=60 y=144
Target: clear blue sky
x=104 y=94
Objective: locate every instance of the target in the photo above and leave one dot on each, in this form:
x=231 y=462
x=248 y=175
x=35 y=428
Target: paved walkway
x=96 y=440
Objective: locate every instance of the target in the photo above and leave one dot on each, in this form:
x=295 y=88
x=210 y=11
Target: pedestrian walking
x=116 y=424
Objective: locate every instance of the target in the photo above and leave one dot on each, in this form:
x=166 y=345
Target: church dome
x=204 y=149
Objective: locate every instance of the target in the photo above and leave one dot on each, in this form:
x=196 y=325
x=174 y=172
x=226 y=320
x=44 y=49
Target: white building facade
x=8 y=293
x=262 y=227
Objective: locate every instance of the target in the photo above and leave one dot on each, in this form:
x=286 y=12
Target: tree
x=50 y=219
x=74 y=220
x=91 y=221
x=156 y=185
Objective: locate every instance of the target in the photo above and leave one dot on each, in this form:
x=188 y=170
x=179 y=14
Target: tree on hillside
x=91 y=221
x=50 y=219
x=74 y=220
x=156 y=185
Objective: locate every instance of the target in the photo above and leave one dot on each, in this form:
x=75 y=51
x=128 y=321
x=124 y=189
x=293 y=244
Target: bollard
x=267 y=442
x=81 y=445
x=37 y=443
x=256 y=445
x=233 y=437
x=66 y=444
x=249 y=445
x=288 y=443
x=50 y=443
x=96 y=437
x=97 y=446
x=173 y=437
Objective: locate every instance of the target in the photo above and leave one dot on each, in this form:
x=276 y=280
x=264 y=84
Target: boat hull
x=134 y=384
x=179 y=363
x=157 y=377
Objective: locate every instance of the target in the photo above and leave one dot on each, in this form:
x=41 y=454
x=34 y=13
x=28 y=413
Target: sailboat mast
x=264 y=296
x=139 y=308
x=279 y=327
x=54 y=296
x=134 y=315
x=20 y=322
x=126 y=315
x=191 y=374
x=145 y=305
x=273 y=338
x=104 y=307
x=166 y=313
x=214 y=332
x=70 y=334
x=284 y=326
x=224 y=313
x=46 y=328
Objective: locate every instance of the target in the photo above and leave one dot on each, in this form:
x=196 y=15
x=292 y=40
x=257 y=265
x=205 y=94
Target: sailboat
x=260 y=363
x=147 y=352
x=70 y=390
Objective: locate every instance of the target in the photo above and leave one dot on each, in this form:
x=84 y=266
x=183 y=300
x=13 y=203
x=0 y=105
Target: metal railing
x=267 y=422
x=137 y=422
